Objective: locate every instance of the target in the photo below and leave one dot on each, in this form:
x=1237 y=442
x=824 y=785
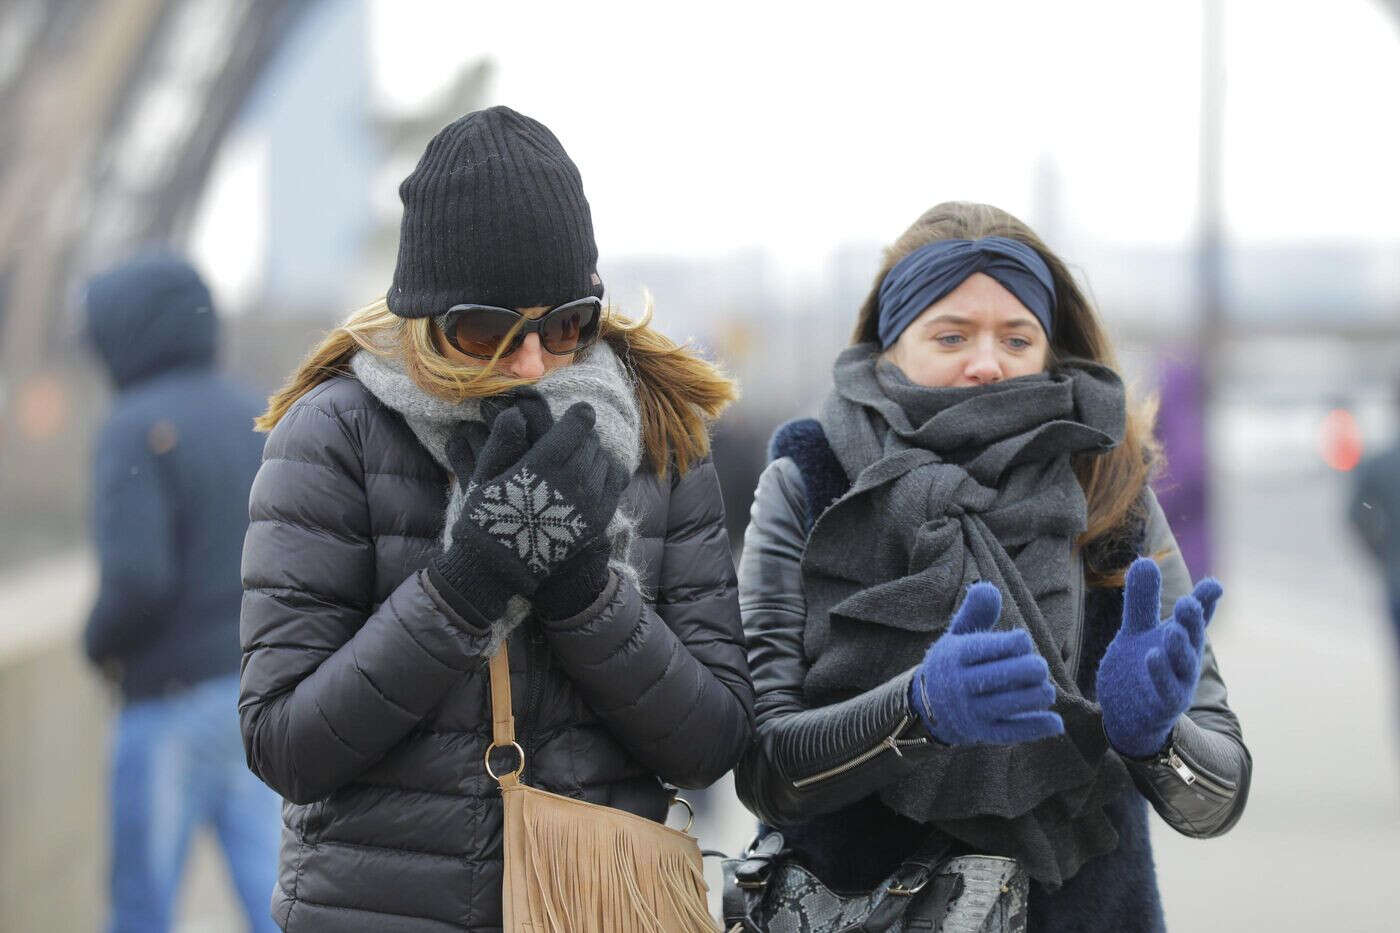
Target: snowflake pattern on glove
x=528 y=515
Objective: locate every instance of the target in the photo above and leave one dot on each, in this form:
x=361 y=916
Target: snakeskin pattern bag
x=767 y=891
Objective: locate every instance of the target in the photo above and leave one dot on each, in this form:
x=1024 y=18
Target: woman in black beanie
x=486 y=456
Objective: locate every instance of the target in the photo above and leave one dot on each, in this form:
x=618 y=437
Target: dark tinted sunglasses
x=477 y=330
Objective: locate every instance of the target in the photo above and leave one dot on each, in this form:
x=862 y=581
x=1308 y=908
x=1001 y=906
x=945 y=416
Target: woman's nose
x=984 y=367
x=528 y=361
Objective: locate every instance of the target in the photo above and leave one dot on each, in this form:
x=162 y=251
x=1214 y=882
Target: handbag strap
x=918 y=870
x=746 y=878
x=502 y=718
x=503 y=727
x=919 y=866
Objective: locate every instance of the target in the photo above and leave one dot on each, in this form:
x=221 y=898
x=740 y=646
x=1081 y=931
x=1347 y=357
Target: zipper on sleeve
x=1188 y=775
x=891 y=742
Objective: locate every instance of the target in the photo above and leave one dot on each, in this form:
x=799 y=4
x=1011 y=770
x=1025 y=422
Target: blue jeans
x=177 y=765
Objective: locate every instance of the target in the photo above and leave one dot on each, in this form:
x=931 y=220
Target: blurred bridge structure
x=113 y=112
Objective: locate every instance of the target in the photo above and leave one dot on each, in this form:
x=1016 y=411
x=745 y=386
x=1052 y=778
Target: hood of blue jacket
x=149 y=316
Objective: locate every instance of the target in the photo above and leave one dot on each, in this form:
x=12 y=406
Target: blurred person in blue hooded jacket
x=1375 y=513
x=173 y=466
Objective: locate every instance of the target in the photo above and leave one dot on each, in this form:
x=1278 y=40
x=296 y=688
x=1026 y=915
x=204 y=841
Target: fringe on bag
x=587 y=874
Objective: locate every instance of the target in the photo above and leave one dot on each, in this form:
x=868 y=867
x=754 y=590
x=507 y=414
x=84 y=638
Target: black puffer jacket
x=363 y=704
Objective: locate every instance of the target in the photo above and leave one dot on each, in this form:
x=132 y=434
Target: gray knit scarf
x=596 y=376
x=951 y=486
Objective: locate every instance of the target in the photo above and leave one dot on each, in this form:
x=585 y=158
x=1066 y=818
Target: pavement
x=1309 y=654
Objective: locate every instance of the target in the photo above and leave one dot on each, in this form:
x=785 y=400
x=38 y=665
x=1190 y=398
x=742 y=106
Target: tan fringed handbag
x=578 y=867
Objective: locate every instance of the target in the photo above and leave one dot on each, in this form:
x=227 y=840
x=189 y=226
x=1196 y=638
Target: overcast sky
x=701 y=128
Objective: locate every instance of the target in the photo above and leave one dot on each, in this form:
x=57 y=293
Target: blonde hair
x=678 y=392
x=1113 y=482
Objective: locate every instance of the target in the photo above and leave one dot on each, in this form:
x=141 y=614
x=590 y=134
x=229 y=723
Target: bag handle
x=746 y=881
x=503 y=730
x=503 y=719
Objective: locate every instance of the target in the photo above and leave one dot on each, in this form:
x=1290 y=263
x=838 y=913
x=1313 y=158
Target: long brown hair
x=1113 y=482
x=678 y=392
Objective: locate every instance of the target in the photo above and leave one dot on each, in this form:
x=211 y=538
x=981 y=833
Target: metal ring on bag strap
x=519 y=770
x=690 y=820
x=502 y=720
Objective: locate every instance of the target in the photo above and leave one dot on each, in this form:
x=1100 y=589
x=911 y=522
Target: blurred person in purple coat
x=1183 y=488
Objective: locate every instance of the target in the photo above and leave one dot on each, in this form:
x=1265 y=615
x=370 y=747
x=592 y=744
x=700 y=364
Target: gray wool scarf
x=596 y=376
x=951 y=486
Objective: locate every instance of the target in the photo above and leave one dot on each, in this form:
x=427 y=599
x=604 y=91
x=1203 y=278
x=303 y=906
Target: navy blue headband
x=931 y=272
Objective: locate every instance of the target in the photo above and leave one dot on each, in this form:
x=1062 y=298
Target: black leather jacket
x=811 y=762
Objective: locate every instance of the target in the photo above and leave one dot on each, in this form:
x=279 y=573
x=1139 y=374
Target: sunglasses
x=478 y=330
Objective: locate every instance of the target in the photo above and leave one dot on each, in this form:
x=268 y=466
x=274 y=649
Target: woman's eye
x=949 y=340
x=1019 y=343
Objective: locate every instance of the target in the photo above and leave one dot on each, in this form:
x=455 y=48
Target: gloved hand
x=479 y=451
x=464 y=573
x=975 y=685
x=1148 y=674
x=577 y=583
x=520 y=523
x=578 y=580
x=538 y=421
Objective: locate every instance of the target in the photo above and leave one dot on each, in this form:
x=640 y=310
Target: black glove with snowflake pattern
x=522 y=522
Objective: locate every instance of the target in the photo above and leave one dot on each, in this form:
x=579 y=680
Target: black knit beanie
x=494 y=214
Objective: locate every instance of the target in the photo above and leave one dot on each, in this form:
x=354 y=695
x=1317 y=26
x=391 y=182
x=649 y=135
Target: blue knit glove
x=1148 y=674
x=976 y=685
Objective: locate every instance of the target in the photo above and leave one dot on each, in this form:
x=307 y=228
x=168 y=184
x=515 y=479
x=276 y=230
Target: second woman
x=956 y=644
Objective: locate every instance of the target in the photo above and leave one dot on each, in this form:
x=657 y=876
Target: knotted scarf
x=951 y=486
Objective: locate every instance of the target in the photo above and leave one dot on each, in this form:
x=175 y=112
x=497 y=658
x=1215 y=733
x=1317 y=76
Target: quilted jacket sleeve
x=671 y=682
x=330 y=682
